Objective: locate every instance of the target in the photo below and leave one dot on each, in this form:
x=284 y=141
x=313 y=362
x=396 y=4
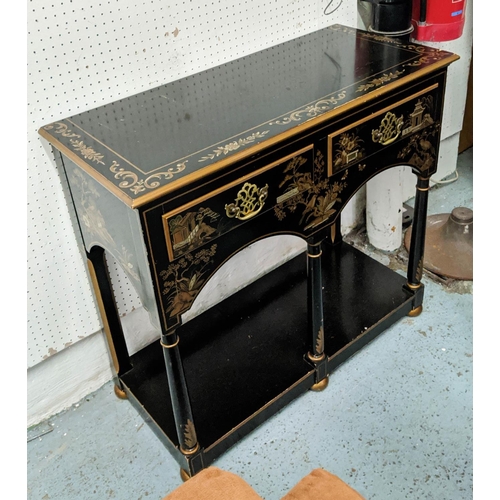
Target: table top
x=147 y=145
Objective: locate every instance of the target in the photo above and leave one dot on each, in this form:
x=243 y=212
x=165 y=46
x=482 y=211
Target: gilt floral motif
x=138 y=185
x=385 y=78
x=348 y=148
x=312 y=110
x=295 y=180
x=234 y=145
x=320 y=341
x=318 y=202
x=183 y=280
x=61 y=129
x=128 y=179
x=190 y=439
x=420 y=269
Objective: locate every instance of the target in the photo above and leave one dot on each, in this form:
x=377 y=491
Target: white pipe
x=384 y=214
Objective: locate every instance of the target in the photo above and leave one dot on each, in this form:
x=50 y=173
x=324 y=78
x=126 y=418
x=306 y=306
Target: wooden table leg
x=417 y=245
x=181 y=405
x=316 y=352
x=103 y=291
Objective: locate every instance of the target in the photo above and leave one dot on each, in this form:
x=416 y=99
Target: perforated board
x=84 y=54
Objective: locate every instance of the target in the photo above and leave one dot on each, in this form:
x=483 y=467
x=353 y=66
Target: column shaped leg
x=417 y=245
x=181 y=405
x=316 y=352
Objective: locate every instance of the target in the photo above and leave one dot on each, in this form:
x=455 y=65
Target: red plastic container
x=438 y=20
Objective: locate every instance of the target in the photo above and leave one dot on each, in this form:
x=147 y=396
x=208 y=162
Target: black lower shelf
x=244 y=358
x=361 y=299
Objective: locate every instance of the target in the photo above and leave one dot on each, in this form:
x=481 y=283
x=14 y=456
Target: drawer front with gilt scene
x=229 y=207
x=416 y=116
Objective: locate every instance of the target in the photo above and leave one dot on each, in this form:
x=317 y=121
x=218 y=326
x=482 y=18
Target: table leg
x=183 y=416
x=316 y=352
x=417 y=245
x=117 y=346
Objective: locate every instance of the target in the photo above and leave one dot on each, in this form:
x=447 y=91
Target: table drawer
x=384 y=127
x=226 y=208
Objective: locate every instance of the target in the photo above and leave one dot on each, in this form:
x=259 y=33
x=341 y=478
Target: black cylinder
x=391 y=17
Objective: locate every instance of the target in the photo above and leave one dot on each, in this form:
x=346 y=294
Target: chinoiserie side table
x=174 y=181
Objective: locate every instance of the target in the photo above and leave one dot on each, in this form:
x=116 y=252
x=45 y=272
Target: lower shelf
x=244 y=358
x=361 y=299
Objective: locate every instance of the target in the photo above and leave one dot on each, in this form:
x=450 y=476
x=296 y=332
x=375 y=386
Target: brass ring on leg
x=315 y=256
x=169 y=346
x=316 y=358
x=413 y=287
x=191 y=451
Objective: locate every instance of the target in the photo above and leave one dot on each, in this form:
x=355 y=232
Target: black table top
x=146 y=145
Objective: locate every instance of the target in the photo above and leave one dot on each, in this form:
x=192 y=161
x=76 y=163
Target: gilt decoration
x=190 y=439
x=317 y=204
x=129 y=180
x=192 y=229
x=420 y=151
x=94 y=223
x=347 y=149
x=234 y=145
x=183 y=279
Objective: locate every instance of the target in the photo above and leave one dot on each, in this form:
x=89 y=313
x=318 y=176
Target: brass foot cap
x=120 y=393
x=185 y=475
x=320 y=386
x=416 y=311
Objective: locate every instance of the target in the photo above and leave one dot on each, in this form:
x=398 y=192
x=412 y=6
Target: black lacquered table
x=174 y=181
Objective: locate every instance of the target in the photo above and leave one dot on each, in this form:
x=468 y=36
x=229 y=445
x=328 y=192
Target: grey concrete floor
x=395 y=421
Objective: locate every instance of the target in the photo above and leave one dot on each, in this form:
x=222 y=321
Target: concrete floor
x=395 y=421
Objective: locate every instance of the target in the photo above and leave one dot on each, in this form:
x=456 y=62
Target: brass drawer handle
x=248 y=203
x=389 y=129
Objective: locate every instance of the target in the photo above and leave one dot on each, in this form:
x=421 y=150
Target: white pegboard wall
x=60 y=304
x=84 y=54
